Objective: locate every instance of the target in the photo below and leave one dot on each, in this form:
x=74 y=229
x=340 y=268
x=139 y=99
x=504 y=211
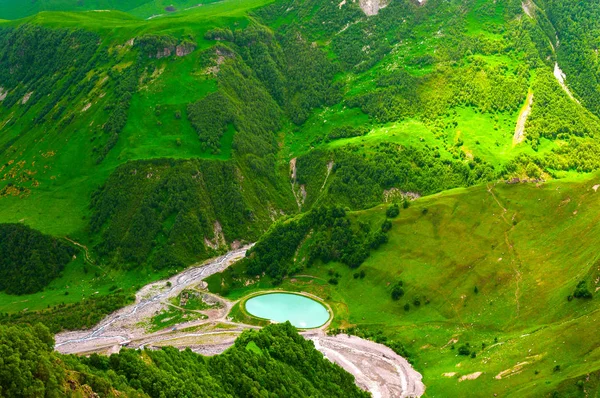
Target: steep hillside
x=155 y=144
x=429 y=168
x=438 y=97
x=490 y=289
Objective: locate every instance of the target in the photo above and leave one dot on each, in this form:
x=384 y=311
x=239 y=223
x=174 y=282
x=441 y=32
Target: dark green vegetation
x=320 y=236
x=158 y=143
x=274 y=361
x=29 y=260
x=172 y=213
x=577 y=28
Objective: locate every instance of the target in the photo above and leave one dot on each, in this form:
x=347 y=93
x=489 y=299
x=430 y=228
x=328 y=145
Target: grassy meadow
x=491 y=266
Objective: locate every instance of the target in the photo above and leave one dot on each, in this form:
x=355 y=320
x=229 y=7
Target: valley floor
x=376 y=368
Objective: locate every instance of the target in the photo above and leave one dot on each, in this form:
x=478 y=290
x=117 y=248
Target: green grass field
x=10 y=9
x=524 y=247
x=78 y=281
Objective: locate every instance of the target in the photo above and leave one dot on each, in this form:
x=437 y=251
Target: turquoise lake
x=301 y=311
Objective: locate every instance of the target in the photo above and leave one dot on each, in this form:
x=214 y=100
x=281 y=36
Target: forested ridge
x=170 y=213
x=275 y=361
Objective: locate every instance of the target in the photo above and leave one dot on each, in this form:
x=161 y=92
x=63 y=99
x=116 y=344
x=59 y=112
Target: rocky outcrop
x=372 y=7
x=165 y=46
x=184 y=49
x=162 y=53
x=26 y=98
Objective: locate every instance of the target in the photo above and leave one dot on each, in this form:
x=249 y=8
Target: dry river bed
x=376 y=368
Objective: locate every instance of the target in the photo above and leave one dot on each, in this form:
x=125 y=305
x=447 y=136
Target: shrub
x=386 y=226
x=397 y=291
x=582 y=291
x=464 y=350
x=393 y=211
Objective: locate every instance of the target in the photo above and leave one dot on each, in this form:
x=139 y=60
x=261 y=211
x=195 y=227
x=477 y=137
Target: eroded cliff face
x=372 y=7
x=184 y=49
x=163 y=46
x=180 y=50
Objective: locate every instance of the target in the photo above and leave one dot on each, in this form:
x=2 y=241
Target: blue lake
x=301 y=311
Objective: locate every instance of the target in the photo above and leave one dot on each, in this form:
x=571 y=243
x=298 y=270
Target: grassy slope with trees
x=473 y=280
x=10 y=9
x=138 y=153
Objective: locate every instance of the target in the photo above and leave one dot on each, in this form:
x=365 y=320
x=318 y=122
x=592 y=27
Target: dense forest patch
x=360 y=181
x=319 y=237
x=281 y=363
x=170 y=213
x=30 y=260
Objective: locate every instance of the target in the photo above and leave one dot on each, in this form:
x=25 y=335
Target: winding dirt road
x=125 y=324
x=376 y=368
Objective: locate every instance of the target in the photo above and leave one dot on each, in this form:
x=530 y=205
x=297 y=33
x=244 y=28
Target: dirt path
x=490 y=189
x=126 y=324
x=329 y=168
x=85 y=249
x=520 y=129
x=515 y=260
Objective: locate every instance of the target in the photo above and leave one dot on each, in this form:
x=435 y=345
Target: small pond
x=301 y=311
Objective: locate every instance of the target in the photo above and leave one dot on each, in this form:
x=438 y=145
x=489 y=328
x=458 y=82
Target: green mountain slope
x=10 y=9
x=154 y=143
x=497 y=267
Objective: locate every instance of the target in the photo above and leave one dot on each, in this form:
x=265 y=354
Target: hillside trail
x=522 y=120
x=376 y=368
x=515 y=260
x=85 y=249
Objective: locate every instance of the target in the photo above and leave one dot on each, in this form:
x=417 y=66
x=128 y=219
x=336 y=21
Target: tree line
x=275 y=361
